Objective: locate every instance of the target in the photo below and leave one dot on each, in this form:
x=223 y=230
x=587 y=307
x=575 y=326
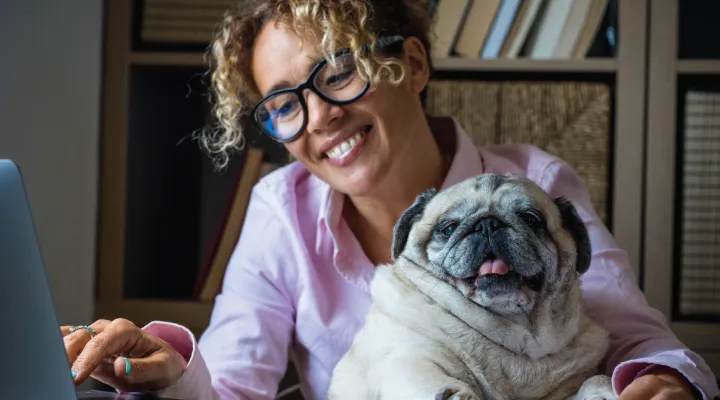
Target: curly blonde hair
x=336 y=24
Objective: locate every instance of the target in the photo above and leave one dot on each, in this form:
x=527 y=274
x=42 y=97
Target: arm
x=243 y=353
x=640 y=335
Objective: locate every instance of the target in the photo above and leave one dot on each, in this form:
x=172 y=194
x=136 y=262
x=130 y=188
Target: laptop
x=33 y=362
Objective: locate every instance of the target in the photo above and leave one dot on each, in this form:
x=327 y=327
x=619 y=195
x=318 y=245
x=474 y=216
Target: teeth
x=343 y=148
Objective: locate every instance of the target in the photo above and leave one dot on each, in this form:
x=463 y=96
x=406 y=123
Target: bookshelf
x=159 y=198
x=710 y=67
x=679 y=63
x=447 y=63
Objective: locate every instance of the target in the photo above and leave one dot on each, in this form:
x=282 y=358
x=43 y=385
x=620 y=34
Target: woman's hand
x=123 y=356
x=661 y=383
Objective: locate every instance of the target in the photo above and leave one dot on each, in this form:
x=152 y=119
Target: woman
x=297 y=284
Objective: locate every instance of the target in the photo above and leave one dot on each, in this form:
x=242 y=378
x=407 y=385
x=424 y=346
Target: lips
x=343 y=142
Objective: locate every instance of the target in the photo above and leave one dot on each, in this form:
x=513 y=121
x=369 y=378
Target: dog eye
x=533 y=219
x=448 y=229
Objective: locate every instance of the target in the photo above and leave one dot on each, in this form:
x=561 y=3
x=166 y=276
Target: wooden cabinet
x=681 y=258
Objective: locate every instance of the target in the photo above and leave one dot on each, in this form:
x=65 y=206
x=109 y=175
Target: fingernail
x=127 y=366
x=74 y=374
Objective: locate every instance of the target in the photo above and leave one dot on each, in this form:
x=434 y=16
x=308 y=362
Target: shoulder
x=523 y=159
x=291 y=189
x=548 y=171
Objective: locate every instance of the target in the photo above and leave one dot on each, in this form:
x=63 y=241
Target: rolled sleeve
x=195 y=382
x=640 y=335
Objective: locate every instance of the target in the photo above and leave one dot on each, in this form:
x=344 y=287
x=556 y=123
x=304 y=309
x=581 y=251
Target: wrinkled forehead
x=491 y=193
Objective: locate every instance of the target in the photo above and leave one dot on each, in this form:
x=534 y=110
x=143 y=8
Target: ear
x=416 y=56
x=572 y=223
x=401 y=231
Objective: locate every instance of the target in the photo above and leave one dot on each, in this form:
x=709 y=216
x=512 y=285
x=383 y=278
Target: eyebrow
x=277 y=86
x=284 y=84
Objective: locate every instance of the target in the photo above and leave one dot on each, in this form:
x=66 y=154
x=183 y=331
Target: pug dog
x=482 y=301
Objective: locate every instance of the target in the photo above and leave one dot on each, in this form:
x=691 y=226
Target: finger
x=118 y=337
x=76 y=341
x=138 y=374
x=154 y=371
x=105 y=372
x=97 y=325
x=637 y=390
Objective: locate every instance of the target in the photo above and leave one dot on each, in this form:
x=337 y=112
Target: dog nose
x=488 y=225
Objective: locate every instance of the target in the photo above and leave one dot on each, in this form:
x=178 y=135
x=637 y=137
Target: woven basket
x=568 y=119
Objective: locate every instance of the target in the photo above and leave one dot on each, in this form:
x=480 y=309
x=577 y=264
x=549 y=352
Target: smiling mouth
x=343 y=148
x=495 y=269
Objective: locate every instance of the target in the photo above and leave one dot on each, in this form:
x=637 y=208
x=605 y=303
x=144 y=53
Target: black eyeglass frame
x=309 y=83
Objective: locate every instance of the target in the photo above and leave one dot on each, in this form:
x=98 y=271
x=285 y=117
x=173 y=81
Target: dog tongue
x=494 y=267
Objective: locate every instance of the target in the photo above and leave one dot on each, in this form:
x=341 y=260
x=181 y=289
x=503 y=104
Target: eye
x=447 y=229
x=338 y=79
x=533 y=218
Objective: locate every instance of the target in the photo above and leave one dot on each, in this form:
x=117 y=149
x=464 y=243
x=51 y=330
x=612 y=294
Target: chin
x=364 y=185
x=361 y=178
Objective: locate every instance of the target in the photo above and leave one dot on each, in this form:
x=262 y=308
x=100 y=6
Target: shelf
x=698 y=66
x=194 y=315
x=186 y=59
x=526 y=65
x=452 y=63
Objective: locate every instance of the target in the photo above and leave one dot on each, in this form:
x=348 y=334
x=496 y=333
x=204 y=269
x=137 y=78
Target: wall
x=50 y=78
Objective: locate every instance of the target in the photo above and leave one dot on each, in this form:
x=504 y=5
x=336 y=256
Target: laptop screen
x=34 y=363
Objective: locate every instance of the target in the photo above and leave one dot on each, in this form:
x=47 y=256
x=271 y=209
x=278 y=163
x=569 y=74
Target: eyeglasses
x=282 y=114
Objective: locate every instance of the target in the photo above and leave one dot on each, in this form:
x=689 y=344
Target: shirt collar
x=466 y=163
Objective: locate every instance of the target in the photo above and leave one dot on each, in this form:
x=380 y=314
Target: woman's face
x=355 y=147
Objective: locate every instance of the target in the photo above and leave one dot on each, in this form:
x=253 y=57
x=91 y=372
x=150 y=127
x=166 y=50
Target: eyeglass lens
x=282 y=115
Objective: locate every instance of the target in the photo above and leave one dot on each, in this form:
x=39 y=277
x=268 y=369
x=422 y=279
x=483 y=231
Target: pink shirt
x=297 y=286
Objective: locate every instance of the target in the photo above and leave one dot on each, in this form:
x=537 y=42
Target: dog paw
x=610 y=396
x=598 y=387
x=456 y=394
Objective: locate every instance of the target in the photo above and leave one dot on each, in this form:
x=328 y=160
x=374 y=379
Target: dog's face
x=499 y=239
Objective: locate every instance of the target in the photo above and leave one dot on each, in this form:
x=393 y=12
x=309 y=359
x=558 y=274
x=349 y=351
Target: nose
x=321 y=114
x=488 y=225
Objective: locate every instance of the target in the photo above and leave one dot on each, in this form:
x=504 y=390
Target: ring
x=87 y=329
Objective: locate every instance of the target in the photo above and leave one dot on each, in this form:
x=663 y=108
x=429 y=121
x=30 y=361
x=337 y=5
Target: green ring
x=127 y=366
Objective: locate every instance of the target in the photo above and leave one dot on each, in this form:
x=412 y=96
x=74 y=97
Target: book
x=182 y=21
x=449 y=18
x=545 y=34
x=576 y=20
x=500 y=28
x=476 y=28
x=522 y=24
x=590 y=29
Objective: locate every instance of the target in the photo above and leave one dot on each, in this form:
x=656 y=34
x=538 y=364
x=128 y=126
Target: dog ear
x=572 y=223
x=401 y=231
